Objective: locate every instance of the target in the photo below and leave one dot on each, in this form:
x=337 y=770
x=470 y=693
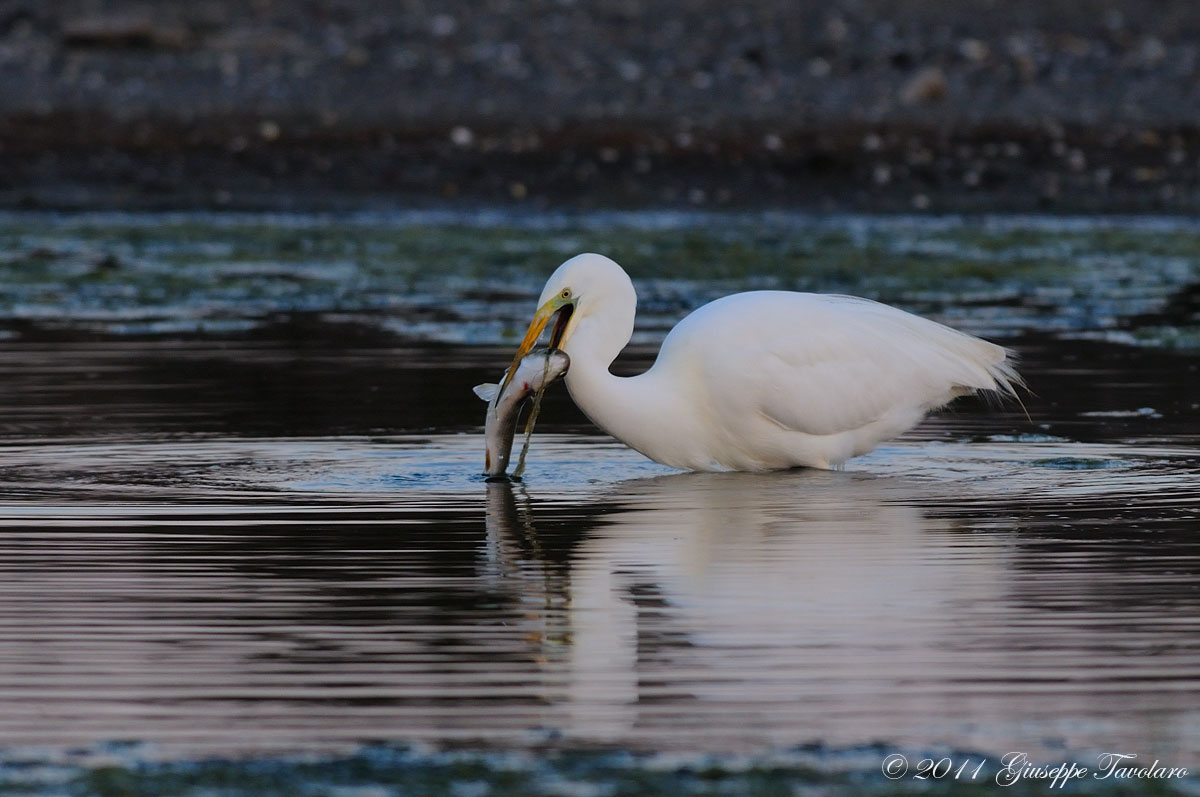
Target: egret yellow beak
x=540 y=319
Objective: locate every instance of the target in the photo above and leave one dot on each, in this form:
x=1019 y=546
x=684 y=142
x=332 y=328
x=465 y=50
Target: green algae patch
x=377 y=770
x=472 y=276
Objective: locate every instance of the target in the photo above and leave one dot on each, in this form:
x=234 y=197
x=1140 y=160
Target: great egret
x=761 y=380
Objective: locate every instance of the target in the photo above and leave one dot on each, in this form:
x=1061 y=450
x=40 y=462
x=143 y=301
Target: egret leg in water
x=761 y=380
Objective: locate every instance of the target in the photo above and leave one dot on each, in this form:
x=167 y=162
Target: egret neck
x=640 y=410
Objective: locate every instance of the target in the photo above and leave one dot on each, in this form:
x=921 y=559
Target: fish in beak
x=559 y=308
x=535 y=372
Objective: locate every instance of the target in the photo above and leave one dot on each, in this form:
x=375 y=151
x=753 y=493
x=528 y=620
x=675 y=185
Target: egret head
x=581 y=288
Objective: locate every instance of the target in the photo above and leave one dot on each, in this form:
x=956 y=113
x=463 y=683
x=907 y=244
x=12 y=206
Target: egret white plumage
x=761 y=380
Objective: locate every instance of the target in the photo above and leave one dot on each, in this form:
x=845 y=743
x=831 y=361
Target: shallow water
x=469 y=277
x=277 y=542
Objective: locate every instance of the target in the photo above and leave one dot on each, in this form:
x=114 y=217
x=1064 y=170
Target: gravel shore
x=845 y=105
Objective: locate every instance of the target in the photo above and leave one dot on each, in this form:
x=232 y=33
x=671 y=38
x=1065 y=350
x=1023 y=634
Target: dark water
x=272 y=547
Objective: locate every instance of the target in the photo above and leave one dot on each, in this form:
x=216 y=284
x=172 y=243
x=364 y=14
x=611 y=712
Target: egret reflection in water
x=736 y=593
x=800 y=606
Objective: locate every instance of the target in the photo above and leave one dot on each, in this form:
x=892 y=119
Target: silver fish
x=533 y=374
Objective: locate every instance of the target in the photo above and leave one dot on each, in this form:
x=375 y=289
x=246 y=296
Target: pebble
x=927 y=85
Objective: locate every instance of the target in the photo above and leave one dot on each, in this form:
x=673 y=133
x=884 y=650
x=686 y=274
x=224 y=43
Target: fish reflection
x=730 y=593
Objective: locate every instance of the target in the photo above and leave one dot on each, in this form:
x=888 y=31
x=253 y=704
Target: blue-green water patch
x=471 y=277
x=1079 y=463
x=379 y=770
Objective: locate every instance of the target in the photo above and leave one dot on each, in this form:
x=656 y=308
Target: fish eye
x=566 y=293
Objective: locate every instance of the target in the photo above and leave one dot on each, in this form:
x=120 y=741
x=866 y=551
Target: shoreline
x=852 y=105
x=71 y=161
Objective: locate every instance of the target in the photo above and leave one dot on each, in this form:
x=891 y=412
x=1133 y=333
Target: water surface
x=273 y=540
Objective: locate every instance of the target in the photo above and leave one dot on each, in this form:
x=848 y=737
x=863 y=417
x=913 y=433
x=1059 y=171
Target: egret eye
x=566 y=293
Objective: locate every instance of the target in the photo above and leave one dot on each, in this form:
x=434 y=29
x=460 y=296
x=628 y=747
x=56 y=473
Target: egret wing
x=828 y=364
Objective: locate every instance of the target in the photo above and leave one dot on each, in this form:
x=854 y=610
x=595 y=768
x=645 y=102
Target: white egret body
x=761 y=380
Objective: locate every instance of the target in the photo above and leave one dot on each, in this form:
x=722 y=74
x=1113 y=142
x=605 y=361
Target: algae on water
x=472 y=277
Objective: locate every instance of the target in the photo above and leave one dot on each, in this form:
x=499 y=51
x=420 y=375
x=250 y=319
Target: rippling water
x=278 y=543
